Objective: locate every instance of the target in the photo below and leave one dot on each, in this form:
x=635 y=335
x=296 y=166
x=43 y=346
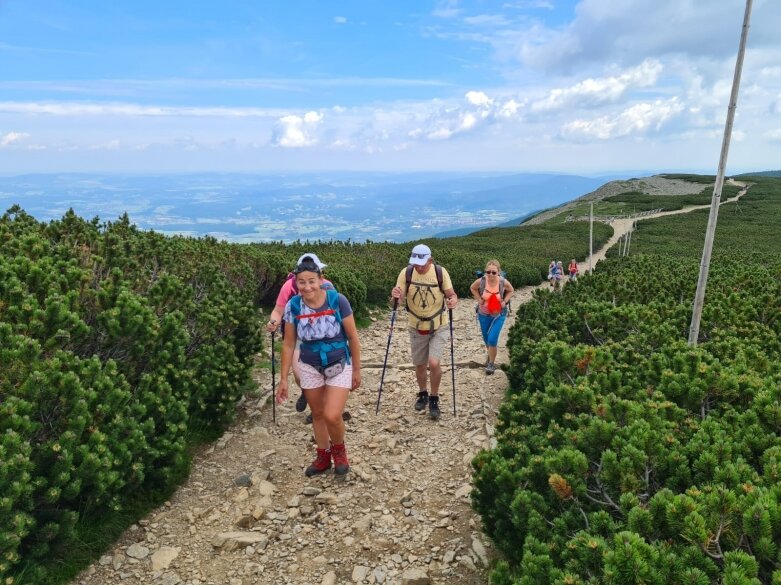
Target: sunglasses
x=421 y=256
x=491 y=272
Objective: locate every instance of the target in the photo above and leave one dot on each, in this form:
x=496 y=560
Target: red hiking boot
x=341 y=464
x=321 y=463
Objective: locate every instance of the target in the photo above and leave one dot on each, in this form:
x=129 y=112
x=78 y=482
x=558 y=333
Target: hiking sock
x=422 y=401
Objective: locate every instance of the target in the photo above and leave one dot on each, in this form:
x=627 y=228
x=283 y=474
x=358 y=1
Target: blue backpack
x=320 y=346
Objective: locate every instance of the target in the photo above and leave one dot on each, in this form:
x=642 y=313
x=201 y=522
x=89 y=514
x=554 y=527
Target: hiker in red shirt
x=573 y=270
x=492 y=291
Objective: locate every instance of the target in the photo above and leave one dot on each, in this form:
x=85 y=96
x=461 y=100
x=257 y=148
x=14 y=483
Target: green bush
x=114 y=345
x=625 y=455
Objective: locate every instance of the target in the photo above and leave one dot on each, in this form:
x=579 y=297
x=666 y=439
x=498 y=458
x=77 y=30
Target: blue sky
x=588 y=86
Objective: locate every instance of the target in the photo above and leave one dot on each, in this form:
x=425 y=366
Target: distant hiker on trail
x=492 y=291
x=555 y=274
x=329 y=362
x=428 y=292
x=573 y=270
x=289 y=290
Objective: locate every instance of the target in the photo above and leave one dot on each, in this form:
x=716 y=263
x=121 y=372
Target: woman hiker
x=329 y=362
x=288 y=291
x=493 y=292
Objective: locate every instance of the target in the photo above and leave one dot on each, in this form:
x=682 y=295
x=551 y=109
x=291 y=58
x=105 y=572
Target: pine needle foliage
x=115 y=344
x=624 y=455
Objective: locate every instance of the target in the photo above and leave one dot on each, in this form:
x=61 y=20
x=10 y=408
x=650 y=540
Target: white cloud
x=638 y=119
x=119 y=109
x=10 y=138
x=340 y=19
x=601 y=90
x=495 y=20
x=478 y=109
x=110 y=145
x=774 y=135
x=446 y=9
x=478 y=98
x=631 y=30
x=526 y=4
x=509 y=109
x=295 y=131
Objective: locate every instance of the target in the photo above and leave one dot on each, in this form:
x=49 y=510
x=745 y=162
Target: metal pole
x=273 y=383
x=629 y=243
x=452 y=360
x=591 y=239
x=387 y=351
x=702 y=281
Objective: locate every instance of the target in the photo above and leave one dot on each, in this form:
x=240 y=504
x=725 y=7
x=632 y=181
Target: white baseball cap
x=313 y=258
x=420 y=255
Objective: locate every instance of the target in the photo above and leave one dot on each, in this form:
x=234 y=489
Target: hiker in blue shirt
x=330 y=362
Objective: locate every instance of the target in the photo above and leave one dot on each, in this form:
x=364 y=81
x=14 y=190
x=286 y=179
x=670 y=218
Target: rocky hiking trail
x=402 y=516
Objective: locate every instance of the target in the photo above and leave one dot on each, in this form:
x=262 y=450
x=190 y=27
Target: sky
x=586 y=87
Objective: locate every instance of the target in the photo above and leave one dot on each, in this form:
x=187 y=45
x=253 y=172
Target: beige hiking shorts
x=425 y=346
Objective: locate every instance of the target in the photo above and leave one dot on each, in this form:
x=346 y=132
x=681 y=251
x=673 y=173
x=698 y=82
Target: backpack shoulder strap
x=438 y=272
x=408 y=277
x=295 y=305
x=332 y=296
x=482 y=285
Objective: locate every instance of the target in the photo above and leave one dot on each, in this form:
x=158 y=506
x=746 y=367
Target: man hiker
x=428 y=293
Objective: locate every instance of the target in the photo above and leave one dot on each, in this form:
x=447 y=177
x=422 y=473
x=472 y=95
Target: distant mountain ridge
x=761 y=174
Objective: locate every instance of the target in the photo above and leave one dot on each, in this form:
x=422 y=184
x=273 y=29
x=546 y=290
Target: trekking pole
x=452 y=360
x=273 y=383
x=387 y=350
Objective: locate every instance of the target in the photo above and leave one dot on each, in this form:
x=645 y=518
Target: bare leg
x=316 y=398
x=421 y=373
x=436 y=375
x=492 y=354
x=335 y=400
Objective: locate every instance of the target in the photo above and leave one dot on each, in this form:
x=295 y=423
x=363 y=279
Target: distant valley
x=325 y=206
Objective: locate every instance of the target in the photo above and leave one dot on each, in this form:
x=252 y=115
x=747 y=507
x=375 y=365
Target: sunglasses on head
x=491 y=272
x=421 y=256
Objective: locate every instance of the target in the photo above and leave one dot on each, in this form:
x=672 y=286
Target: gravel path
x=247 y=515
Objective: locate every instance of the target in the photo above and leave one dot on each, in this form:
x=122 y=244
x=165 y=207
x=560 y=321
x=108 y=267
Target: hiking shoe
x=433 y=408
x=422 y=401
x=308 y=419
x=341 y=464
x=301 y=403
x=321 y=463
x=490 y=368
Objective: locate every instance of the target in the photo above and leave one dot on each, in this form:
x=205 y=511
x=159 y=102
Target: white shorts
x=312 y=378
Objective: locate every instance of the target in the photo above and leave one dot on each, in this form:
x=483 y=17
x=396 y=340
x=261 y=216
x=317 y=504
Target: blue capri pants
x=490 y=327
